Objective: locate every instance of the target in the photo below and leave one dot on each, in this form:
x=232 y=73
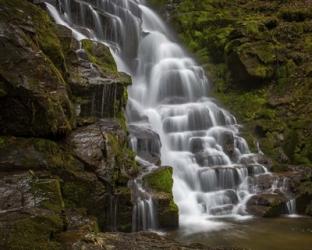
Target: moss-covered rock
x=21 y=154
x=160 y=180
x=31 y=212
x=160 y=183
x=33 y=89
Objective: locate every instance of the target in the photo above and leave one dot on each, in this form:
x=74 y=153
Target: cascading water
x=212 y=163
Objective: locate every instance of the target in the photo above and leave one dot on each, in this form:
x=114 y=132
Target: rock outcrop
x=159 y=183
x=64 y=156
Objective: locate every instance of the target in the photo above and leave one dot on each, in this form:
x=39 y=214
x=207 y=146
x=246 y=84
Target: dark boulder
x=266 y=205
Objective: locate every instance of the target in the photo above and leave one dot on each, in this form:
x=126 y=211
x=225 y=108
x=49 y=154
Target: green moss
x=160 y=180
x=48 y=194
x=101 y=56
x=76 y=194
x=124 y=158
x=45 y=32
x=33 y=233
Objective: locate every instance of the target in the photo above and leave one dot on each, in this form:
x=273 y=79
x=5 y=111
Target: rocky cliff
x=257 y=55
x=65 y=162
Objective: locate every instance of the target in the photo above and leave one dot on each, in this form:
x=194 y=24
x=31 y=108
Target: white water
x=212 y=163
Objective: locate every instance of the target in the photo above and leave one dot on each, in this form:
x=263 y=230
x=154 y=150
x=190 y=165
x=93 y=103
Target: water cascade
x=213 y=166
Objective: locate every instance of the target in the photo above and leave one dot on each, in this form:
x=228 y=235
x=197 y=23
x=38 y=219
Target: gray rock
x=146 y=142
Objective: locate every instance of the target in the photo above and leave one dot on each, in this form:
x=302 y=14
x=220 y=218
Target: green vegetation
x=160 y=183
x=160 y=180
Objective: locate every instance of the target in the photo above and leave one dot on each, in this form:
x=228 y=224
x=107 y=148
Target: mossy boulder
x=160 y=184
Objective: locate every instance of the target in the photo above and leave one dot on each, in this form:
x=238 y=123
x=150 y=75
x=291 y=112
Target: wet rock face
x=99 y=89
x=146 y=143
x=103 y=148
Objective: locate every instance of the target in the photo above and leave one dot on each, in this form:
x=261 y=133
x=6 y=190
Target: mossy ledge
x=160 y=184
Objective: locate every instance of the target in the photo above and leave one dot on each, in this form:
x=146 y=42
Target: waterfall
x=143 y=214
x=281 y=185
x=291 y=207
x=212 y=163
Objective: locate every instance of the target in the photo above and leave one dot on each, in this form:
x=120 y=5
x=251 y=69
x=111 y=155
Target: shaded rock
x=251 y=159
x=79 y=220
x=123 y=210
x=21 y=154
x=304 y=198
x=34 y=88
x=266 y=205
x=146 y=143
x=264 y=182
x=103 y=147
x=251 y=64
